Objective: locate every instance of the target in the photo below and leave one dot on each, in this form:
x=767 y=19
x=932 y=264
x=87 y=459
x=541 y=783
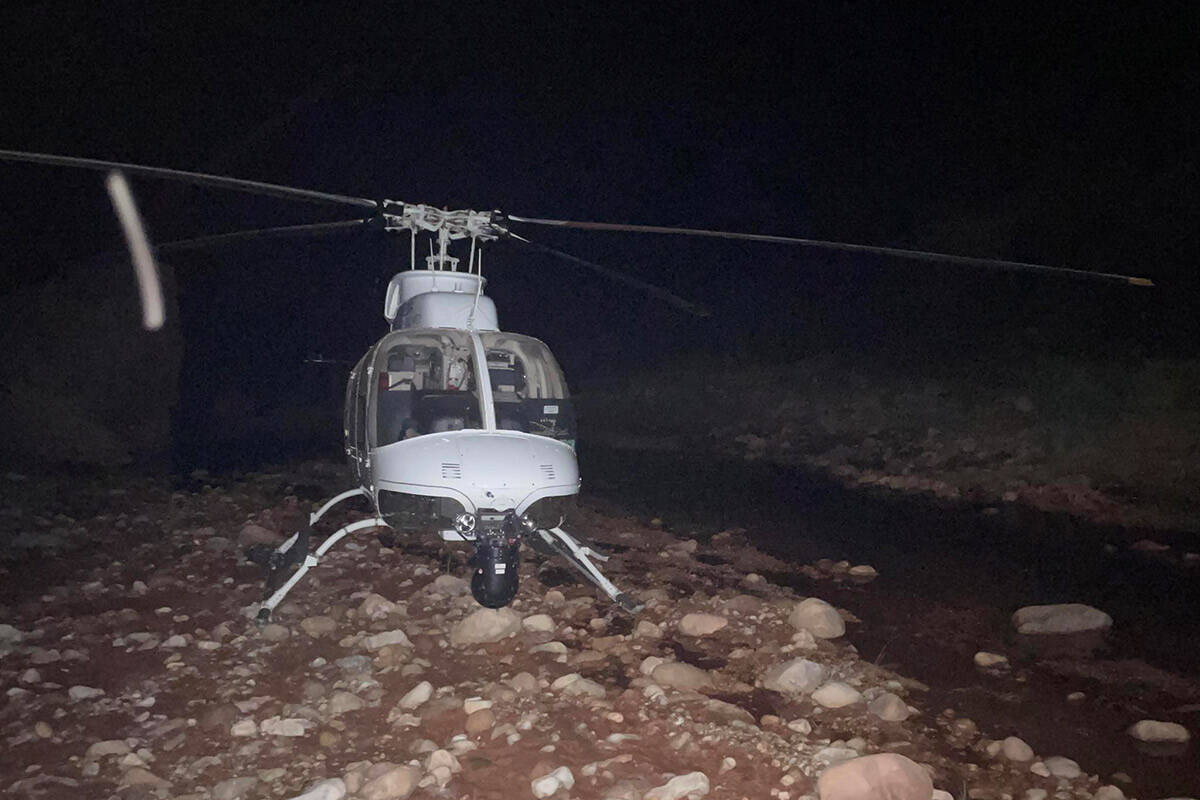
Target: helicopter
x=451 y=425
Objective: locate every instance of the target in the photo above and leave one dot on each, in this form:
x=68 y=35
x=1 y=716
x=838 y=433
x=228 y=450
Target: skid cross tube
x=580 y=557
x=310 y=561
x=295 y=548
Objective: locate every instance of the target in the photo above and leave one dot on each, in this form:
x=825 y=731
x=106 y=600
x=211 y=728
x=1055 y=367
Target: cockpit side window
x=528 y=388
x=424 y=384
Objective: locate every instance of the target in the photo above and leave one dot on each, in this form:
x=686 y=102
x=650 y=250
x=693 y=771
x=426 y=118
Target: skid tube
x=580 y=556
x=295 y=551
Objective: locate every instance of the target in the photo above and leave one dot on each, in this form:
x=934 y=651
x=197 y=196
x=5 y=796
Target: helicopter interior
x=428 y=384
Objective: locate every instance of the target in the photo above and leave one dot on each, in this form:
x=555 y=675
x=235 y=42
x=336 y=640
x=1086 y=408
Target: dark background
x=1063 y=135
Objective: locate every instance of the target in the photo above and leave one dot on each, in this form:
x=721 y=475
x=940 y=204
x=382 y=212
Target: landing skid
x=580 y=557
x=295 y=551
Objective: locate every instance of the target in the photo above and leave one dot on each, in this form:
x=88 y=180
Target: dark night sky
x=1062 y=134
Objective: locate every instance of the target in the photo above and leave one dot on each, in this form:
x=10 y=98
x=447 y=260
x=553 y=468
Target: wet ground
x=951 y=576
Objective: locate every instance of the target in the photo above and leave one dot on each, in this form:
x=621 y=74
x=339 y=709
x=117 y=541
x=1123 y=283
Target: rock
x=354 y=664
x=10 y=635
x=1157 y=731
x=584 y=686
x=986 y=660
x=701 y=624
x=647 y=630
x=1108 y=792
x=798 y=676
x=547 y=785
x=244 y=727
x=1062 y=767
x=234 y=788
x=449 y=585
x=681 y=676
x=328 y=789
x=292 y=726
x=341 y=702
x=523 y=683
x=376 y=606
x=252 y=534
x=480 y=721
x=1015 y=749
x=818 y=618
x=84 y=692
x=393 y=784
x=691 y=785
x=801 y=726
x=836 y=694
x=538 y=623
x=108 y=747
x=1061 y=618
x=486 y=625
x=316 y=627
x=863 y=571
x=274 y=632
x=416 y=696
x=218 y=716
x=140 y=776
x=42 y=729
x=381 y=640
x=883 y=775
x=1149 y=730
x=177 y=641
x=649 y=664
x=30 y=676
x=889 y=708
x=473 y=704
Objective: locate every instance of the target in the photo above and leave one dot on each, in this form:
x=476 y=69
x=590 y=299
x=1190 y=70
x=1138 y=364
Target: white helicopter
x=451 y=425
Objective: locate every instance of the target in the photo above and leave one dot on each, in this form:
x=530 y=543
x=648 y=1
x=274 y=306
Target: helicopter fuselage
x=453 y=425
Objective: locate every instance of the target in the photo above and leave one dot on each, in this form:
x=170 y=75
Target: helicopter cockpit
x=429 y=382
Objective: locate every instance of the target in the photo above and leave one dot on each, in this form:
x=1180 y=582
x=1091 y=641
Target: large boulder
x=883 y=776
x=1152 y=730
x=818 y=618
x=1060 y=618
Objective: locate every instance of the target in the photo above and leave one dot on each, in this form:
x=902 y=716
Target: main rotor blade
x=195 y=178
x=144 y=268
x=620 y=277
x=217 y=240
x=946 y=258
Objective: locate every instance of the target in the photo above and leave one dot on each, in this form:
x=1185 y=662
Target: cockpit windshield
x=528 y=388
x=427 y=384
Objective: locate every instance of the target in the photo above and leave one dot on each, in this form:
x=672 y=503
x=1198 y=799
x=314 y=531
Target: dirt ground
x=133 y=667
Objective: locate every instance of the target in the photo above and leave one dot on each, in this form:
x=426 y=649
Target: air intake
x=547 y=471
x=452 y=471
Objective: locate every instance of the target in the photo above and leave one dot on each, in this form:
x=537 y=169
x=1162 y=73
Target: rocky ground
x=132 y=667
